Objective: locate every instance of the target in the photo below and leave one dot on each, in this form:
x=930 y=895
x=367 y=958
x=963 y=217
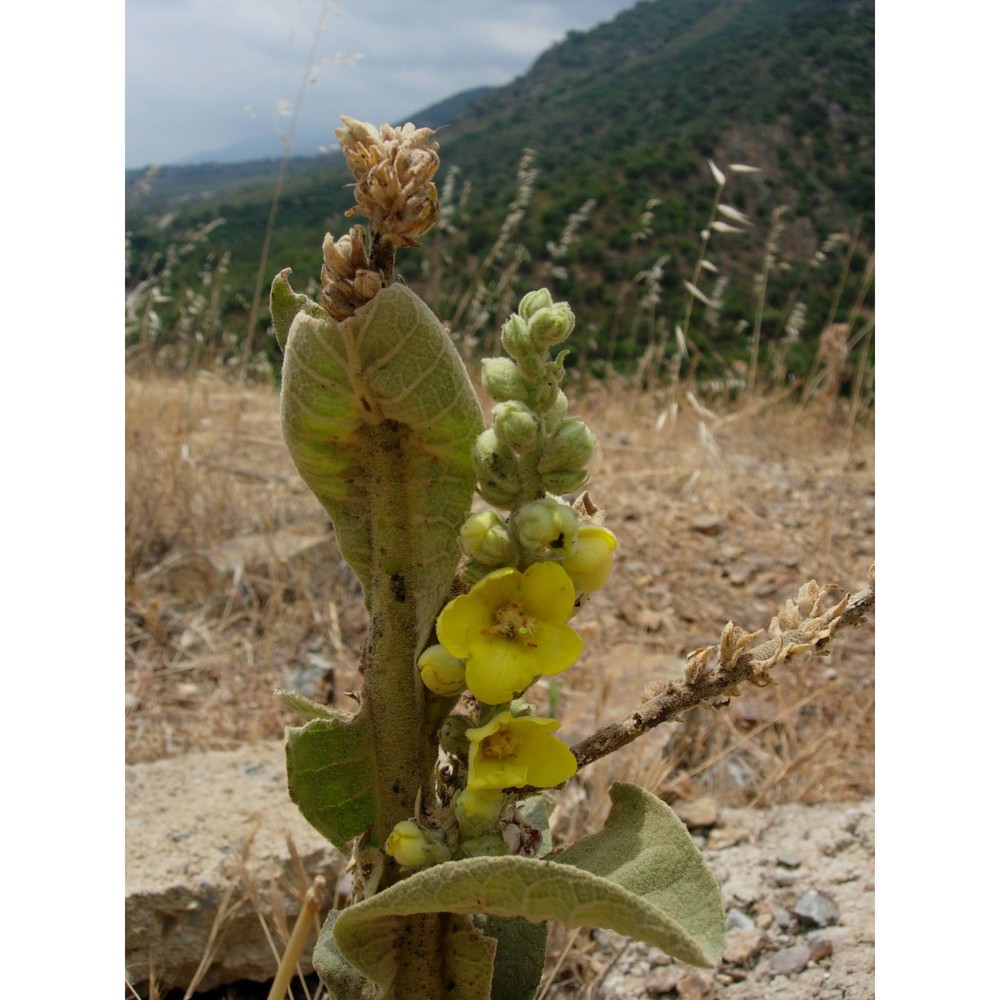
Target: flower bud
x=412 y=846
x=496 y=468
x=517 y=343
x=443 y=673
x=516 y=426
x=476 y=812
x=547 y=528
x=502 y=380
x=569 y=448
x=533 y=302
x=484 y=538
x=452 y=736
x=589 y=562
x=561 y=481
x=490 y=845
x=551 y=326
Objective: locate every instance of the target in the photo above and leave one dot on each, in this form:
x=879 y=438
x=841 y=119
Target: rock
x=743 y=946
x=783 y=877
x=707 y=524
x=665 y=980
x=790 y=961
x=695 y=986
x=199 y=830
x=736 y=919
x=698 y=814
x=820 y=947
x=816 y=909
x=789 y=859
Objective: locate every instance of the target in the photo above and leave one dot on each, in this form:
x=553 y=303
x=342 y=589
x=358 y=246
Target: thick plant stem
x=404 y=752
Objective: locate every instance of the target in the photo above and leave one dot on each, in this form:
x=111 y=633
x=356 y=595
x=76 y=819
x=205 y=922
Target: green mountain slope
x=625 y=113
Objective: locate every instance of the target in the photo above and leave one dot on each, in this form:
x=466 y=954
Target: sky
x=201 y=75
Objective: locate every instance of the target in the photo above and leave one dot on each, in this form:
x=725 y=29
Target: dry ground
x=234 y=586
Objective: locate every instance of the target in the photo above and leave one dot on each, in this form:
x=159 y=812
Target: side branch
x=714 y=673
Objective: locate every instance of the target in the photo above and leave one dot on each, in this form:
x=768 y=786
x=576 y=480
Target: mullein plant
x=437 y=785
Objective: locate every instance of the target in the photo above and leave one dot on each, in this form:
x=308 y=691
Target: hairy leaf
x=330 y=775
x=641 y=876
x=379 y=416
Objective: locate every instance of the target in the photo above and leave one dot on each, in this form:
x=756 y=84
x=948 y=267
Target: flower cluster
x=527 y=570
x=392 y=168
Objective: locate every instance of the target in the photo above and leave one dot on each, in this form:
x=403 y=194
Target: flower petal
x=547 y=592
x=462 y=622
x=556 y=648
x=497 y=669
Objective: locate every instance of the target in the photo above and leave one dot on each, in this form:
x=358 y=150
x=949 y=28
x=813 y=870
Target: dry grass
x=235 y=588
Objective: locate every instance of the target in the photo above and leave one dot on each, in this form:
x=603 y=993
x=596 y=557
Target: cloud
x=193 y=66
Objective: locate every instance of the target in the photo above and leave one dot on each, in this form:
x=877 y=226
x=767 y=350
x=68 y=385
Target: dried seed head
x=392 y=168
x=348 y=281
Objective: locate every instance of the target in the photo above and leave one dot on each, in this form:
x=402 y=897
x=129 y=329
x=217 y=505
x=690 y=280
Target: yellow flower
x=412 y=846
x=589 y=563
x=510 y=628
x=441 y=672
x=510 y=752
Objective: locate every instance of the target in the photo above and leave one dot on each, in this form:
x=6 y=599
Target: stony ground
x=234 y=588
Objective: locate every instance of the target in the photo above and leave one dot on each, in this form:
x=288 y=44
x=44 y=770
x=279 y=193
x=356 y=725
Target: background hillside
x=621 y=122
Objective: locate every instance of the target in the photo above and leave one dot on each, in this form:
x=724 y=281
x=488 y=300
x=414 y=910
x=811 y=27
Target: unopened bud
x=502 y=380
x=516 y=426
x=551 y=326
x=412 y=845
x=496 y=468
x=569 y=448
x=517 y=343
x=443 y=673
x=533 y=302
x=484 y=538
x=560 y=481
x=588 y=563
x=490 y=845
x=476 y=812
x=452 y=736
x=547 y=528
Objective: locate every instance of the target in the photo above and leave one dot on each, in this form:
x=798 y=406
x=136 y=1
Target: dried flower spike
x=392 y=168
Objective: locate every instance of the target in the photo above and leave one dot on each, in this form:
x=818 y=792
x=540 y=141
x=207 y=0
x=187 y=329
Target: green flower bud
x=441 y=672
x=533 y=302
x=490 y=845
x=412 y=846
x=476 y=812
x=519 y=346
x=561 y=481
x=516 y=426
x=452 y=736
x=496 y=468
x=502 y=380
x=551 y=326
x=484 y=537
x=547 y=528
x=569 y=448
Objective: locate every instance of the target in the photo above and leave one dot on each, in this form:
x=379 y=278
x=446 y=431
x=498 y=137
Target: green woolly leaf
x=340 y=977
x=641 y=876
x=286 y=304
x=330 y=775
x=379 y=416
x=305 y=707
x=520 y=958
x=417 y=957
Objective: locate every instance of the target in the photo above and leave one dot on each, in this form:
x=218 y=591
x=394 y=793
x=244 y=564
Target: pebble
x=736 y=919
x=789 y=859
x=707 y=524
x=664 y=980
x=820 y=947
x=743 y=946
x=816 y=909
x=783 y=877
x=699 y=813
x=790 y=961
